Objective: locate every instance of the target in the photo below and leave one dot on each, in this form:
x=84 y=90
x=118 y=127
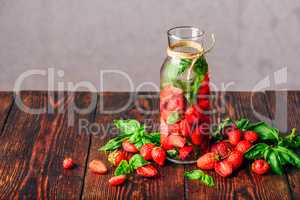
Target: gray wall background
x=254 y=39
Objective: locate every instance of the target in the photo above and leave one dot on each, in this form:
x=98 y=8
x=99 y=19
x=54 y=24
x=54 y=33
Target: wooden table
x=33 y=146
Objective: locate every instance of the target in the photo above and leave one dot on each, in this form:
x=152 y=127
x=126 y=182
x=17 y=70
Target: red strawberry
x=147 y=171
x=146 y=151
x=236 y=159
x=175 y=104
x=129 y=147
x=204 y=104
x=184 y=152
x=197 y=137
x=207 y=161
x=165 y=144
x=223 y=168
x=185 y=128
x=97 y=166
x=176 y=140
x=222 y=148
x=234 y=137
x=116 y=157
x=243 y=146
x=158 y=155
x=192 y=115
x=251 y=136
x=117 y=180
x=68 y=163
x=260 y=167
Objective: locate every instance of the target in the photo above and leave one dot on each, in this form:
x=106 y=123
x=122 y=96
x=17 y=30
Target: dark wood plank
x=290 y=101
x=33 y=147
x=243 y=184
x=169 y=185
x=6 y=101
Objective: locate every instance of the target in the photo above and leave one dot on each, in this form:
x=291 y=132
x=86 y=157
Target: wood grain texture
x=6 y=101
x=171 y=176
x=243 y=184
x=291 y=101
x=33 y=147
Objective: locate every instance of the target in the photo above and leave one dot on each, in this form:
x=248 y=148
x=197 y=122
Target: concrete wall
x=254 y=39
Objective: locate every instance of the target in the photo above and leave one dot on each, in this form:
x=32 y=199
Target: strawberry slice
x=224 y=168
x=184 y=152
x=97 y=166
x=117 y=180
x=158 y=155
x=129 y=147
x=147 y=171
x=176 y=140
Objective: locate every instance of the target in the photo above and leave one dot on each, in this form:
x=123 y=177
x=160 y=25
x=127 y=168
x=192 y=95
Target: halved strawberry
x=222 y=148
x=207 y=161
x=147 y=171
x=97 y=166
x=165 y=144
x=224 y=168
x=129 y=147
x=176 y=140
x=117 y=180
x=184 y=152
x=158 y=155
x=146 y=151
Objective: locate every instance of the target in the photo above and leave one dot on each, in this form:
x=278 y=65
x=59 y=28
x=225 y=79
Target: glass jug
x=184 y=95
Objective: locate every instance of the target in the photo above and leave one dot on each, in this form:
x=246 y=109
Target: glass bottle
x=184 y=95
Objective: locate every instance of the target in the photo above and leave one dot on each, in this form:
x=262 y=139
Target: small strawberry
x=68 y=163
x=158 y=155
x=165 y=144
x=207 y=161
x=129 y=147
x=97 y=166
x=192 y=115
x=184 y=152
x=224 y=168
x=185 y=128
x=243 y=146
x=251 y=136
x=146 y=151
x=176 y=140
x=260 y=167
x=222 y=148
x=147 y=171
x=116 y=157
x=236 y=159
x=204 y=104
x=197 y=137
x=234 y=137
x=117 y=180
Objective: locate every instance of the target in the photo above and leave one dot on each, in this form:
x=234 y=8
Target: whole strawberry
x=260 y=167
x=68 y=163
x=158 y=155
x=224 y=168
x=222 y=148
x=184 y=152
x=197 y=137
x=243 y=146
x=251 y=136
x=116 y=157
x=234 y=137
x=207 y=161
x=146 y=151
x=117 y=180
x=236 y=159
x=129 y=147
x=147 y=171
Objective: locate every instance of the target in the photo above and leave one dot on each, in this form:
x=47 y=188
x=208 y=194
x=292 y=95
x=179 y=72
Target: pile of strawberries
x=192 y=123
x=227 y=155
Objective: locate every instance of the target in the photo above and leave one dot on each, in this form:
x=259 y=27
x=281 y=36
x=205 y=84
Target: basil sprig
x=132 y=131
x=201 y=176
x=127 y=167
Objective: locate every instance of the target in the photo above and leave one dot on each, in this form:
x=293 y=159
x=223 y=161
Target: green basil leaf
x=137 y=161
x=114 y=143
x=154 y=138
x=123 y=168
x=217 y=135
x=288 y=155
x=273 y=160
x=256 y=151
x=265 y=131
x=242 y=124
x=291 y=141
x=128 y=126
x=172 y=153
x=174 y=117
x=201 y=176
